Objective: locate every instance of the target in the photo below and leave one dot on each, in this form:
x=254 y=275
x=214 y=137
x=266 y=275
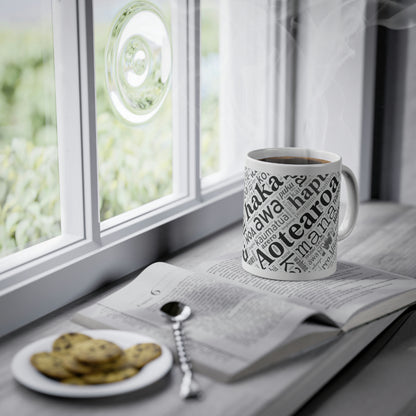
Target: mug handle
x=351 y=213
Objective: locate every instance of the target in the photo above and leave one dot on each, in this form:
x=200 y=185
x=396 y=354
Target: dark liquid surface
x=294 y=160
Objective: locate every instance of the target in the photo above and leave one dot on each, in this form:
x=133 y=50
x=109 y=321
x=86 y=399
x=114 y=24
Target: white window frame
x=49 y=275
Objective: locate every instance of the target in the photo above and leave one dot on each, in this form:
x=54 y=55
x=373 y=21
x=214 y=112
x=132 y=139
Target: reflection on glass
x=29 y=180
x=138 y=62
x=134 y=160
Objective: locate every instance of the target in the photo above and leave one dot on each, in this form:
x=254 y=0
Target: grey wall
x=394 y=130
x=407 y=182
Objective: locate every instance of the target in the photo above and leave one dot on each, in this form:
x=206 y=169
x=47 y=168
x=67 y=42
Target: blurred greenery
x=210 y=83
x=135 y=163
x=29 y=180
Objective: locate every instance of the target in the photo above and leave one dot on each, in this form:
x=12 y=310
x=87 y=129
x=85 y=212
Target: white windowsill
x=30 y=297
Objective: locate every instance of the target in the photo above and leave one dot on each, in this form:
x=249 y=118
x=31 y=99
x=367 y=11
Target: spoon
x=177 y=312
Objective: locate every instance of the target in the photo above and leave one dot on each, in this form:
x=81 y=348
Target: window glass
x=29 y=180
x=133 y=64
x=235 y=106
x=210 y=87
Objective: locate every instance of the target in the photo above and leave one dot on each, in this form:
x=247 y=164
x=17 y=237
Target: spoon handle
x=189 y=387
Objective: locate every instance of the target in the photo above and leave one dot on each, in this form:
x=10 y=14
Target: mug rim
x=258 y=154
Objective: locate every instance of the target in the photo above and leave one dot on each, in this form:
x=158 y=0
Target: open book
x=242 y=323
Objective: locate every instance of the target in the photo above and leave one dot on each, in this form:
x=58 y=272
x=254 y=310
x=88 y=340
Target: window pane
x=235 y=93
x=134 y=109
x=210 y=87
x=29 y=180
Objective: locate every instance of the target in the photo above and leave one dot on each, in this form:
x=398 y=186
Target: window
x=134 y=107
x=152 y=127
x=241 y=75
x=210 y=87
x=137 y=124
x=29 y=177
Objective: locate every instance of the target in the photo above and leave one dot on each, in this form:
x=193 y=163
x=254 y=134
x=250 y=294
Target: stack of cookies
x=79 y=359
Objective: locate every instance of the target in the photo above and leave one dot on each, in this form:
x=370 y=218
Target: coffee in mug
x=291 y=212
x=294 y=160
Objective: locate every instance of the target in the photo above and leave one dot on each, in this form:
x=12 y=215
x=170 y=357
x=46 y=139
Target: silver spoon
x=177 y=312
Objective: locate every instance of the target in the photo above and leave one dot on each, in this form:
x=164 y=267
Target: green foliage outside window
x=29 y=180
x=134 y=163
x=29 y=177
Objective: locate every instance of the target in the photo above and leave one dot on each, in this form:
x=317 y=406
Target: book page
x=351 y=289
x=224 y=315
x=211 y=361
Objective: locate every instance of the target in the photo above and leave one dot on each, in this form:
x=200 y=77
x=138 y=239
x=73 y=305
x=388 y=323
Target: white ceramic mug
x=291 y=212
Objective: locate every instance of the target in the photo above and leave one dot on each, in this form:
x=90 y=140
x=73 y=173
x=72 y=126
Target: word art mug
x=291 y=212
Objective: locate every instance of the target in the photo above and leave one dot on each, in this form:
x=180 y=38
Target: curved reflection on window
x=133 y=66
x=138 y=62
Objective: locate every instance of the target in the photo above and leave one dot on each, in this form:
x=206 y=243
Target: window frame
x=89 y=254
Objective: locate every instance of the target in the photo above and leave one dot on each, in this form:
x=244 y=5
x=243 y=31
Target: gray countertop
x=383 y=238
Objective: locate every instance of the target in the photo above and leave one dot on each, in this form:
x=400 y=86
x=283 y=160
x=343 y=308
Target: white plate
x=26 y=374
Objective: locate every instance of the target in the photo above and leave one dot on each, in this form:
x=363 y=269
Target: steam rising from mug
x=329 y=47
x=393 y=14
x=138 y=62
x=396 y=15
x=325 y=40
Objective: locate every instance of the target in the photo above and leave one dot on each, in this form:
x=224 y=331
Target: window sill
x=48 y=290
